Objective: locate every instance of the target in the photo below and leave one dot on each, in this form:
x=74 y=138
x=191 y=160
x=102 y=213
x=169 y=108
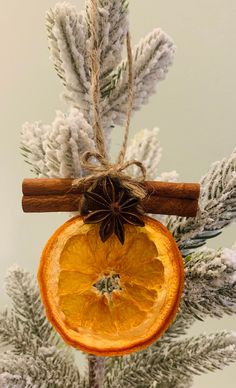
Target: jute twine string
x=95 y=74
x=103 y=167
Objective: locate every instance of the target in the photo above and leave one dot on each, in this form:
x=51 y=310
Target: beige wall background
x=194 y=108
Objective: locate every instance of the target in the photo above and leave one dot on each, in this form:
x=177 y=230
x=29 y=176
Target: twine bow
x=103 y=167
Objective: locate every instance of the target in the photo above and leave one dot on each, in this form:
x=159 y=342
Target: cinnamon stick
x=70 y=202
x=170 y=206
x=37 y=187
x=173 y=190
x=50 y=203
x=58 y=195
x=49 y=186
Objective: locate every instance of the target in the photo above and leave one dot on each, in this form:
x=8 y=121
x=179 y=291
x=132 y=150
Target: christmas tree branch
x=112 y=28
x=210 y=285
x=152 y=59
x=48 y=368
x=67 y=37
x=183 y=321
x=96 y=371
x=145 y=146
x=36 y=353
x=55 y=151
x=27 y=311
x=217 y=207
x=174 y=362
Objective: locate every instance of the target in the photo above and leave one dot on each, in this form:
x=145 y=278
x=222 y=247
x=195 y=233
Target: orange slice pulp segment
x=107 y=298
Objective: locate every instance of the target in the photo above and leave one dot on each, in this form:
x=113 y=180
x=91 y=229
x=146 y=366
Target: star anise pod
x=110 y=204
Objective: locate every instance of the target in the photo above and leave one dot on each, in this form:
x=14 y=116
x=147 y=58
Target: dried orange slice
x=106 y=298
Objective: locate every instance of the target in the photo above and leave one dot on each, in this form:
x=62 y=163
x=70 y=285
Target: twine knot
x=101 y=167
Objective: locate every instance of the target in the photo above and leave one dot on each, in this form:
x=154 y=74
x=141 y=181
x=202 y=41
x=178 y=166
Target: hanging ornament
x=110 y=279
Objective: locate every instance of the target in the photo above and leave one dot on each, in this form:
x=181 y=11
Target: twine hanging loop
x=97 y=162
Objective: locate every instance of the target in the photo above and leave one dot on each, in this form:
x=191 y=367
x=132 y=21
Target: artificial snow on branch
x=55 y=151
x=67 y=37
x=36 y=356
x=27 y=313
x=217 y=207
x=145 y=146
x=112 y=28
x=152 y=59
x=33 y=137
x=49 y=368
x=210 y=290
x=174 y=362
x=183 y=321
x=210 y=283
x=70 y=42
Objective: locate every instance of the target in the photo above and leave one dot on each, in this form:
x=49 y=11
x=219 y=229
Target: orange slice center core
x=108 y=283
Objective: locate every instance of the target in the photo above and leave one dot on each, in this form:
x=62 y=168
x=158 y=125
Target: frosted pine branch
x=170 y=176
x=55 y=151
x=69 y=139
x=175 y=383
x=112 y=27
x=26 y=325
x=217 y=207
x=20 y=337
x=145 y=147
x=152 y=59
x=210 y=283
x=70 y=45
x=36 y=354
x=198 y=355
x=48 y=368
x=164 y=367
x=210 y=290
x=96 y=371
x=67 y=37
x=194 y=356
x=183 y=321
x=33 y=137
